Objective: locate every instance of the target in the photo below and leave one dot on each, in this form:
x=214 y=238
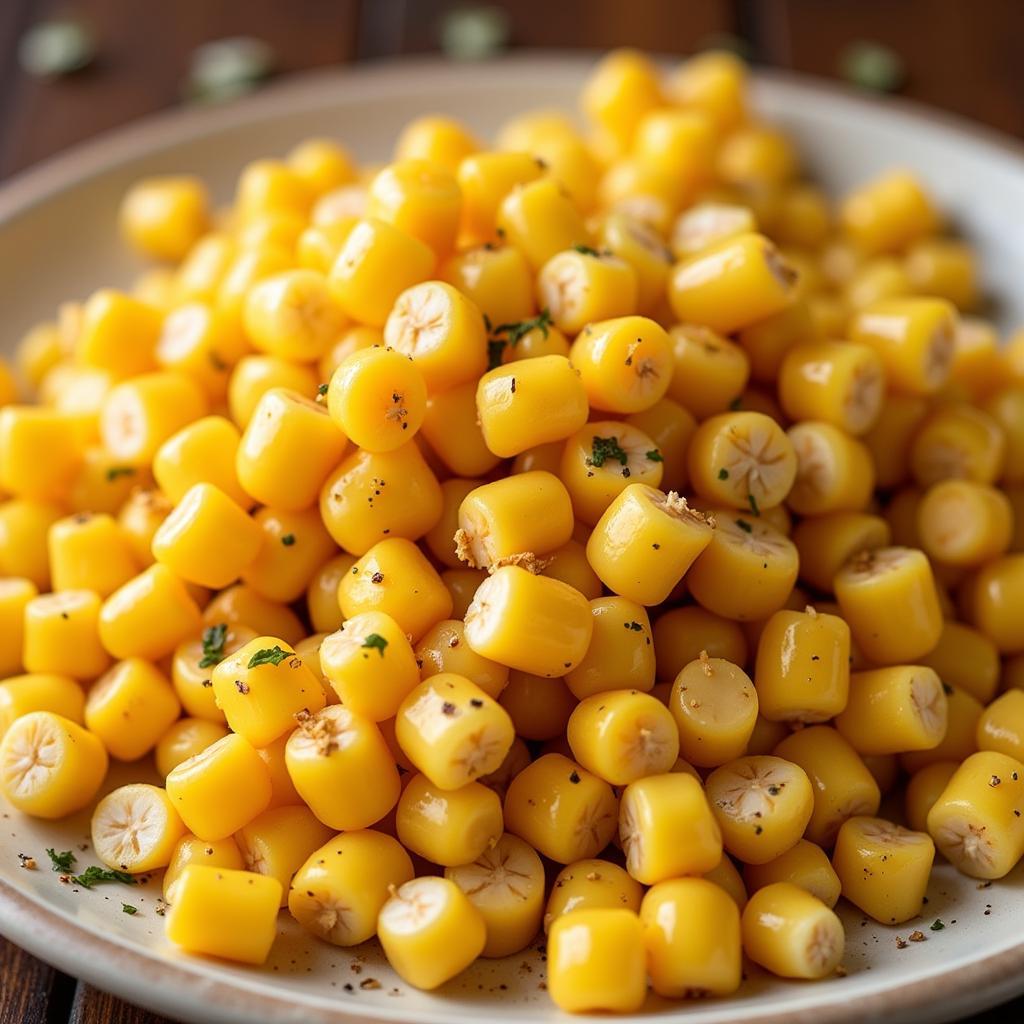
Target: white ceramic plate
x=57 y=240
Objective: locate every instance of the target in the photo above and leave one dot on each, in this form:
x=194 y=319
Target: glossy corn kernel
x=623 y=735
x=202 y=452
x=680 y=634
x=762 y=805
x=964 y=523
x=338 y=892
x=641 y=247
x=528 y=622
x=590 y=884
x=484 y=180
x=370 y=665
x=1001 y=725
x=430 y=931
x=923 y=788
x=395 y=577
x=40 y=452
x=530 y=402
x=827 y=542
x=960 y=740
x=202 y=342
x=842 y=785
x=621 y=652
x=225 y=913
x=498 y=280
x=164 y=217
x=118 y=334
x=15 y=594
x=322 y=593
x=63 y=634
x=135 y=828
x=271 y=185
x=293 y=545
x=538 y=706
x=420 y=198
x=282 y=790
x=709 y=371
x=993 y=602
x=139 y=517
x=440 y=539
x=888 y=213
x=805 y=865
x=184 y=739
x=707 y=223
x=190 y=849
x=803 y=667
x=744 y=548
x=792 y=933
x=451 y=429
x=889 y=599
x=570 y=565
x=50 y=766
x=580 y=286
x=102 y=484
x=957 y=442
x=241 y=606
x=452 y=731
x=834 y=472
x=667 y=829
x=883 y=277
x=254 y=375
x=541 y=220
x=444 y=649
x=670 y=426
x=974 y=822
x=22 y=694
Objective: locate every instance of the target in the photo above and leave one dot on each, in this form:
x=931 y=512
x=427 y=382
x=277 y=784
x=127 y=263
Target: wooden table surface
x=964 y=57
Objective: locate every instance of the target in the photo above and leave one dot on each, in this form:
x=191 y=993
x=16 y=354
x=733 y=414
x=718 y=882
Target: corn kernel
x=540 y=219
x=63 y=634
x=591 y=884
x=184 y=739
x=135 y=828
x=888 y=213
x=805 y=865
x=498 y=281
x=620 y=653
x=118 y=334
x=827 y=542
x=255 y=375
x=40 y=453
x=241 y=606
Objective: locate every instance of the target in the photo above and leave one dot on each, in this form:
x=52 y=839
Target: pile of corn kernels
x=578 y=535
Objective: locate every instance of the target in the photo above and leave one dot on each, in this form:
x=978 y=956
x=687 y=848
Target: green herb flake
x=322 y=390
x=213 y=644
x=753 y=505
x=375 y=640
x=61 y=862
x=127 y=908
x=269 y=656
x=604 y=448
x=723 y=474
x=586 y=250
x=515 y=331
x=495 y=350
x=95 y=876
x=744 y=526
x=113 y=472
x=936 y=925
x=655 y=456
x=288 y=540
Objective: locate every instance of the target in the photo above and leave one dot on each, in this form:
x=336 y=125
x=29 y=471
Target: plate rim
x=106 y=962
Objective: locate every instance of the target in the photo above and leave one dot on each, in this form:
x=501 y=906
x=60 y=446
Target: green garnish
x=655 y=456
x=127 y=908
x=62 y=862
x=213 y=644
x=95 y=876
x=586 y=250
x=605 y=448
x=516 y=330
x=322 y=389
x=375 y=640
x=269 y=656
x=753 y=505
x=744 y=526
x=723 y=474
x=495 y=350
x=288 y=540
x=936 y=925
x=113 y=472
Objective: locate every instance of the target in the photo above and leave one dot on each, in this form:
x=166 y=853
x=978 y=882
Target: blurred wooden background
x=963 y=56
x=960 y=55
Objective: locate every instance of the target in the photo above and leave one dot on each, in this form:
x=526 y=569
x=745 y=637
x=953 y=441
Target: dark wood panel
x=30 y=991
x=91 y=1006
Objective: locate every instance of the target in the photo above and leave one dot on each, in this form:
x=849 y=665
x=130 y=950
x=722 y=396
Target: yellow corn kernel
x=875 y=280
x=287 y=450
x=372 y=496
x=50 y=766
x=964 y=523
x=377 y=262
x=923 y=788
x=200 y=273
x=561 y=810
x=271 y=186
x=241 y=606
x=670 y=426
x=805 y=865
x=451 y=430
x=888 y=213
x=322 y=164
x=185 y=738
x=204 y=451
x=744 y=548
x=164 y=217
x=225 y=913
x=506 y=885
x=15 y=594
x=318 y=246
x=680 y=634
x=339 y=891
x=135 y=828
x=102 y=484
x=440 y=140
x=443 y=648
x=118 y=334
x=140 y=414
x=945 y=268
x=767 y=341
x=597 y=961
x=580 y=286
x=140 y=517
x=692 y=938
x=731 y=284
x=993 y=602
x=591 y=884
x=842 y=785
x=540 y=219
x=667 y=829
x=914 y=337
x=960 y=740
x=641 y=247
x=709 y=370
x=792 y=933
x=569 y=564
x=1007 y=409
x=756 y=155
x=38 y=351
x=725 y=875
x=645 y=542
x=40 y=452
x=207 y=539
x=1001 y=725
x=395 y=577
x=262 y=686
x=743 y=460
x=22 y=694
x=957 y=442
x=345 y=202
x=707 y=223
x=528 y=513
x=282 y=790
x=974 y=822
x=430 y=931
x=219 y=853
x=834 y=472
x=255 y=375
x=539 y=707
x=130 y=707
x=294 y=545
x=530 y=402
x=203 y=343
x=420 y=198
x=440 y=539
x=620 y=654
x=498 y=281
x=221 y=788
x=322 y=593
x=622 y=88
x=62 y=634
x=714 y=83
x=370 y=664
x=484 y=180
x=826 y=542
x=448 y=827
x=532 y=623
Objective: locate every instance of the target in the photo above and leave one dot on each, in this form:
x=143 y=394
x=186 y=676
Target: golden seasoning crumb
x=28 y=863
x=810 y=610
x=463 y=552
x=524 y=560
x=863 y=561
x=593 y=876
x=841 y=971
x=917 y=936
x=356 y=968
x=370 y=983
x=901 y=943
x=705 y=664
x=317 y=729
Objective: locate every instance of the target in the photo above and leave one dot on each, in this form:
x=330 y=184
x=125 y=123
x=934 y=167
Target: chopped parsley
x=604 y=448
x=269 y=656
x=213 y=644
x=288 y=540
x=113 y=472
x=744 y=526
x=586 y=250
x=62 y=862
x=127 y=908
x=95 y=876
x=753 y=505
x=375 y=640
x=495 y=350
x=322 y=390
x=515 y=331
x=936 y=925
x=655 y=456
x=723 y=474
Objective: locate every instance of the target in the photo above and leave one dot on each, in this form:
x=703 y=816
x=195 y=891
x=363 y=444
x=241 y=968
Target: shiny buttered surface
x=566 y=541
